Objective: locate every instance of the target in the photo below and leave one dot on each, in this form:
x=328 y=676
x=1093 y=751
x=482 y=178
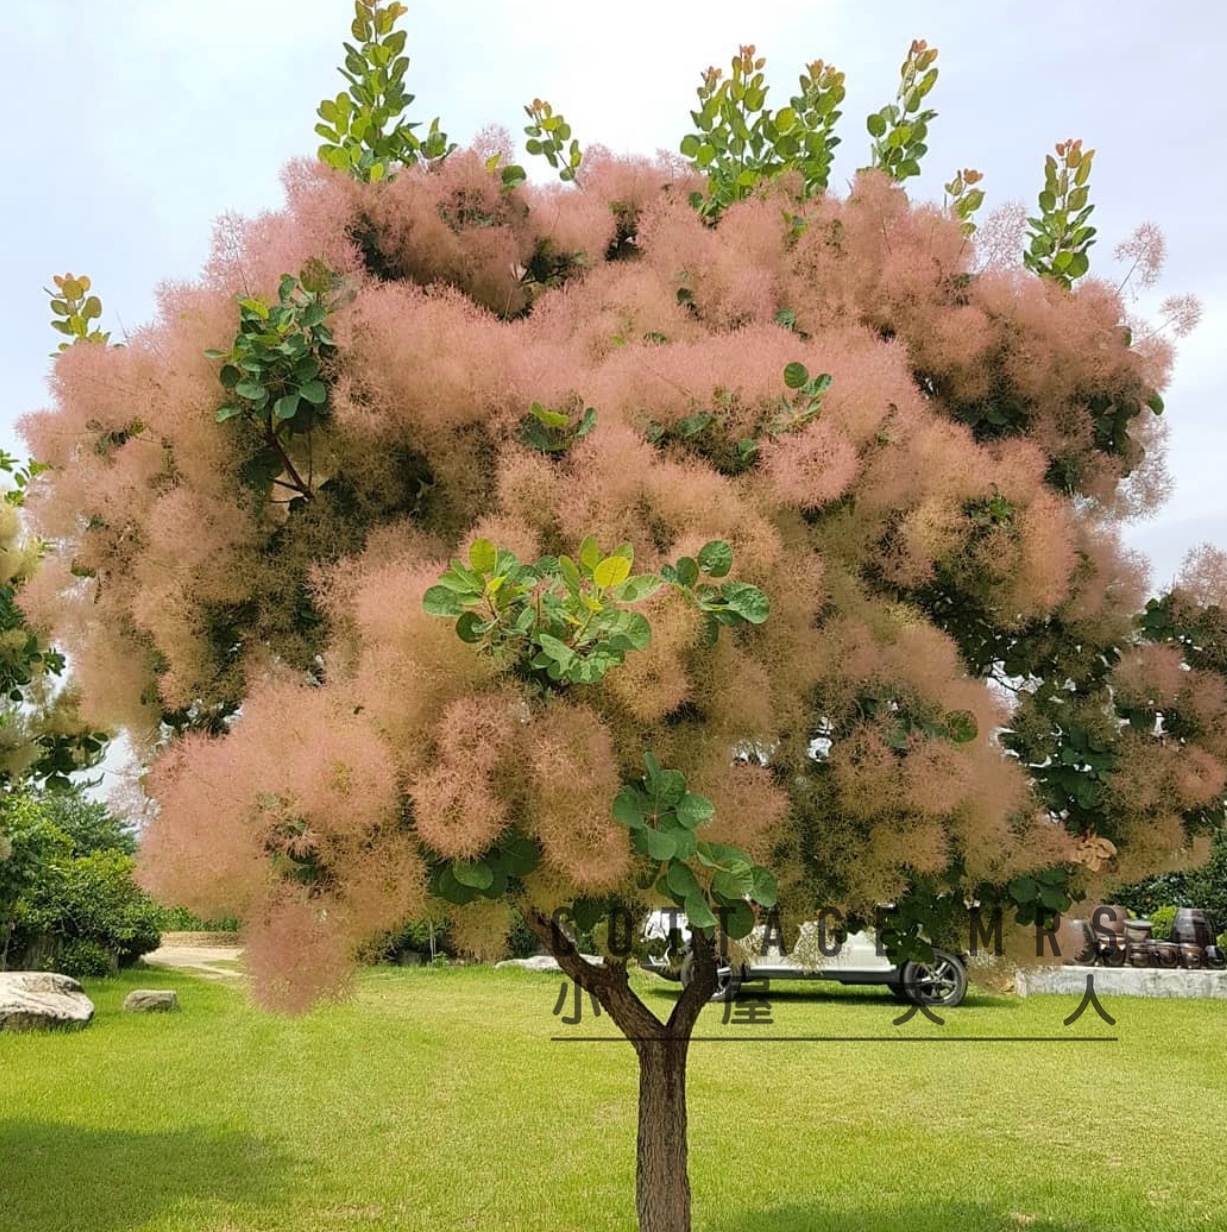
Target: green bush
x=414 y=937
x=1161 y=919
x=1204 y=888
x=83 y=960
x=521 y=943
x=1207 y=886
x=93 y=898
x=88 y=824
x=181 y=920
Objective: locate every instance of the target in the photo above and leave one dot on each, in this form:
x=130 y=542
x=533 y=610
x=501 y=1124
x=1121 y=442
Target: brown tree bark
x=662 y=1180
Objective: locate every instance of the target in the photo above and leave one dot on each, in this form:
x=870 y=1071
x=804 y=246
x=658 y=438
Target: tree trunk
x=662 y=1184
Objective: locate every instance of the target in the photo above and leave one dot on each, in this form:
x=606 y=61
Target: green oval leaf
x=698 y=913
x=638 y=587
x=681 y=880
x=630 y=807
x=1054 y=898
x=449 y=889
x=612 y=571
x=670 y=787
x=737 y=920
x=747 y=601
x=765 y=891
x=440 y=601
x=517 y=857
x=1023 y=889
x=286 y=407
x=693 y=810
x=478 y=875
x=636 y=630
x=660 y=845
x=589 y=554
x=483 y=555
x=559 y=651
x=315 y=392
x=716 y=558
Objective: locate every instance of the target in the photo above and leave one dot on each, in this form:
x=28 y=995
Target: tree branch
x=609 y=982
x=699 y=991
x=275 y=441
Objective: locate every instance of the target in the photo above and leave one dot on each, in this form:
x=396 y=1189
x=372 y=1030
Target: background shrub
x=1204 y=887
x=67 y=892
x=93 y=898
x=84 y=960
x=1161 y=920
x=181 y=920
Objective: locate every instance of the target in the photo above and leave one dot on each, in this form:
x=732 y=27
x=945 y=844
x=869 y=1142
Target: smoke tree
x=649 y=538
x=42 y=737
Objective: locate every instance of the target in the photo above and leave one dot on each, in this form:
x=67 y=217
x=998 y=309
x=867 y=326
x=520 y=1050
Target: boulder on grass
x=544 y=962
x=151 y=1001
x=37 y=1000
x=538 y=962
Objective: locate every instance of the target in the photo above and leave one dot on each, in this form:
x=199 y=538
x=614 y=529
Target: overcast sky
x=134 y=123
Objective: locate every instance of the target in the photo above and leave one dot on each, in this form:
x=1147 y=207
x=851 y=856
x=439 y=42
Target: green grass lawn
x=436 y=1100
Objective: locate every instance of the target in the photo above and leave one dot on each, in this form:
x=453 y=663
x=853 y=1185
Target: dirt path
x=198 y=952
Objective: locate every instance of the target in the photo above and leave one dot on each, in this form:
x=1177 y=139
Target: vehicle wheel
x=728 y=979
x=898 y=992
x=940 y=982
x=671 y=968
x=728 y=983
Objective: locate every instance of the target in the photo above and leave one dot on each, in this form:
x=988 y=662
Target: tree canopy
x=677 y=535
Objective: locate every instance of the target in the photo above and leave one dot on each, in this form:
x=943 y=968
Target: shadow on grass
x=867 y=1000
x=926 y=1217
x=65 y=1178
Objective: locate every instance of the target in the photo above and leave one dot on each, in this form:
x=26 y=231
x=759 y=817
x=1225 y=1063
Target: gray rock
x=34 y=1000
x=539 y=962
x=543 y=962
x=151 y=1000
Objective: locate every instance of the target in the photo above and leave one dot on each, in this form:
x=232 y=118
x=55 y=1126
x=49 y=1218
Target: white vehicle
x=819 y=954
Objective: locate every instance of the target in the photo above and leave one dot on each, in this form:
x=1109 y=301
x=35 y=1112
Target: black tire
x=728 y=983
x=899 y=993
x=943 y=982
x=728 y=979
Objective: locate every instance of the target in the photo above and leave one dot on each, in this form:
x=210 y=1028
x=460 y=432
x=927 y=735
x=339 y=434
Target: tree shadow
x=921 y=1217
x=65 y=1178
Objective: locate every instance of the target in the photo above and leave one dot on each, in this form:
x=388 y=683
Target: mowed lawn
x=436 y=1099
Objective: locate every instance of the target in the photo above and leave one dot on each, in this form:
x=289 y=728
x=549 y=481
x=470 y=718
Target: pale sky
x=133 y=124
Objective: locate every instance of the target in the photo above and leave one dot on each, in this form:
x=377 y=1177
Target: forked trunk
x=662 y=1185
